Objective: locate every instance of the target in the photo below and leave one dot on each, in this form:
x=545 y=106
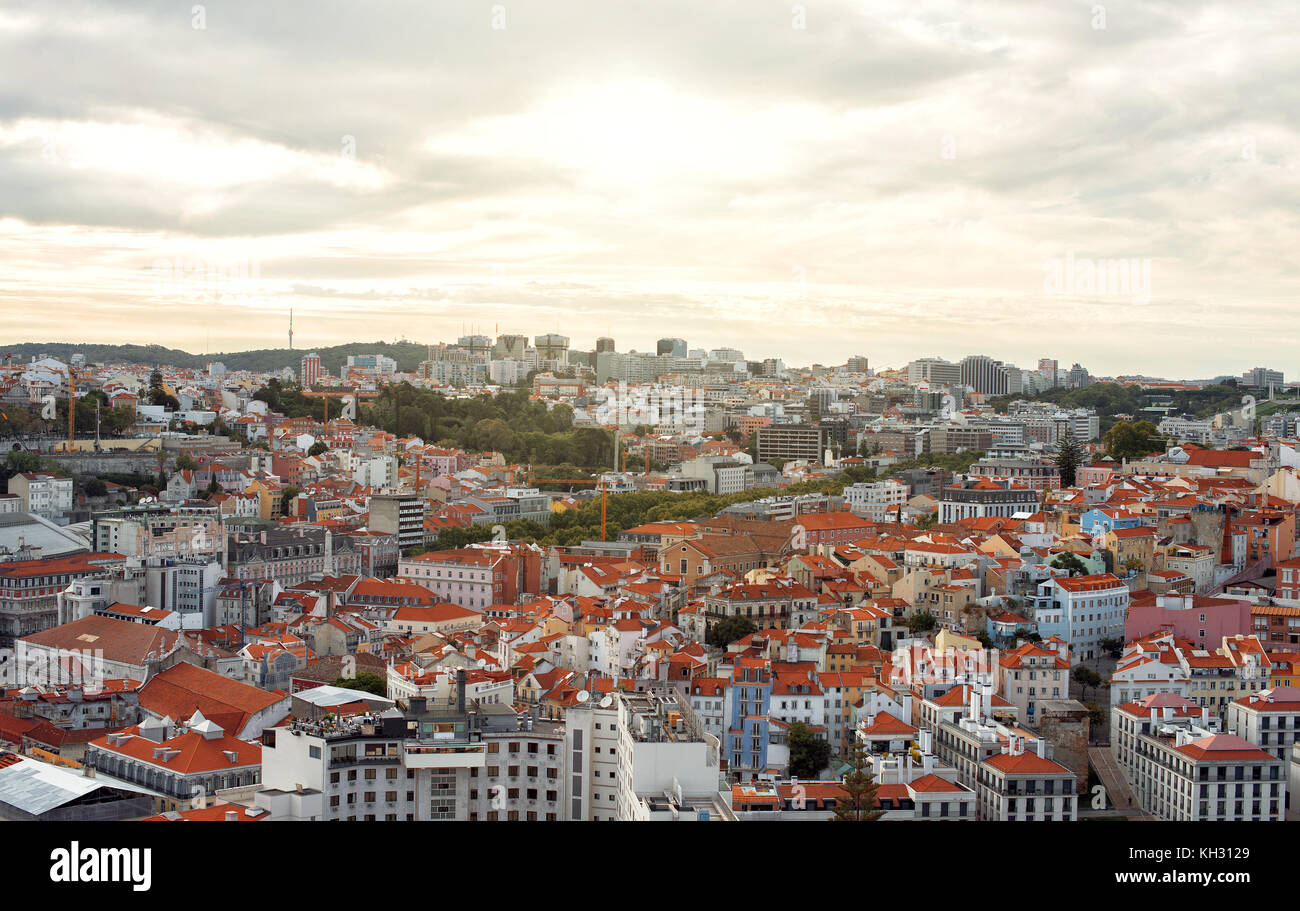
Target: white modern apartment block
x=877 y=499
x=1180 y=768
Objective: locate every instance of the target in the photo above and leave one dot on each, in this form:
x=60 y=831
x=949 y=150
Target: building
x=1262 y=378
x=290 y=555
x=935 y=371
x=989 y=377
x=978 y=498
x=179 y=762
x=1180 y=768
x=475 y=577
x=398 y=514
x=310 y=370
x=673 y=347
x=1082 y=611
x=878 y=501
x=44 y=495
x=788 y=442
x=30 y=589
x=552 y=347
x=31 y=790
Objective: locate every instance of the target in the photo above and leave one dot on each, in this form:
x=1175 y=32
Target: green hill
x=407 y=354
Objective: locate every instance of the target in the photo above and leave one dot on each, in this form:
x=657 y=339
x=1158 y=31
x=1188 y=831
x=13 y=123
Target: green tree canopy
x=809 y=754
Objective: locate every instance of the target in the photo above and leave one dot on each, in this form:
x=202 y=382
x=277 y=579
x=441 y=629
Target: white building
x=43 y=495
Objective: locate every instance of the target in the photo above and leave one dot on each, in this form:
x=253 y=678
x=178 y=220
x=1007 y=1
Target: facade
x=792 y=441
x=984 y=497
x=1082 y=611
x=398 y=514
x=30 y=589
x=1180 y=768
x=44 y=495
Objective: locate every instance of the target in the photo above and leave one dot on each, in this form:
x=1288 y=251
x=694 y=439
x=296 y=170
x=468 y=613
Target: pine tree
x=1069 y=459
x=859 y=801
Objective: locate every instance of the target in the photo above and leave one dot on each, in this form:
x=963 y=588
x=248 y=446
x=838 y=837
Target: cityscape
x=526 y=581
x=648 y=413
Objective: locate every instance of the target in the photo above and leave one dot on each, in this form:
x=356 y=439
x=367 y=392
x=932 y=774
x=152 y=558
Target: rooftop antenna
x=290 y=328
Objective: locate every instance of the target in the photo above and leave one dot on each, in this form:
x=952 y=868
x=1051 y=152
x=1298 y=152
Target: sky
x=1115 y=184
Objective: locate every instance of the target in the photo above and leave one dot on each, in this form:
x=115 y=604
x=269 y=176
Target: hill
x=407 y=354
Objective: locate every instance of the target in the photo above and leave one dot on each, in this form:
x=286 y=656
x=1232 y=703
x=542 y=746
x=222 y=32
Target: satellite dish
x=583 y=695
x=482 y=662
x=607 y=702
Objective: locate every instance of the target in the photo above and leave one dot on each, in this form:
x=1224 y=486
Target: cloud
x=625 y=168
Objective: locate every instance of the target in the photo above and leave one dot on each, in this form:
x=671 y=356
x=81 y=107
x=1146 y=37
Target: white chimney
x=232 y=816
x=1041 y=746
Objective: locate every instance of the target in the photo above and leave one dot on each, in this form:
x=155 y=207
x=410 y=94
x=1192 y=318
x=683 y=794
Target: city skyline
x=803 y=183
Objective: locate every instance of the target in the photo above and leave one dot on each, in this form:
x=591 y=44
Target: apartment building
x=978 y=498
x=30 y=589
x=1181 y=768
x=475 y=577
x=792 y=441
x=1081 y=610
x=44 y=495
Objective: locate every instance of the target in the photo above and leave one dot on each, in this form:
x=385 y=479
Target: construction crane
x=598 y=482
x=72 y=405
x=600 y=485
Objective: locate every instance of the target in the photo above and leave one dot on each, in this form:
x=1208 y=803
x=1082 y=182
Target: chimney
x=1041 y=747
x=460 y=691
x=232 y=816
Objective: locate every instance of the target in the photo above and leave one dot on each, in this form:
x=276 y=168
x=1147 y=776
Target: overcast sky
x=893 y=178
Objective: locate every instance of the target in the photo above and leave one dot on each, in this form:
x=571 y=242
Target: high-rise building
x=792 y=441
x=674 y=346
x=856 y=364
x=479 y=345
x=1261 y=378
x=1049 y=373
x=552 y=347
x=604 y=343
x=310 y=372
x=990 y=377
x=510 y=346
x=933 y=370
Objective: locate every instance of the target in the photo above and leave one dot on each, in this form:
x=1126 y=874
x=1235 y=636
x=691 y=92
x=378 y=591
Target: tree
x=1133 y=440
x=859 y=801
x=367 y=683
x=1086 y=677
x=1070 y=562
x=317 y=448
x=921 y=622
x=96 y=488
x=1068 y=460
x=185 y=463
x=286 y=500
x=1113 y=646
x=1096 y=717
x=729 y=629
x=809 y=754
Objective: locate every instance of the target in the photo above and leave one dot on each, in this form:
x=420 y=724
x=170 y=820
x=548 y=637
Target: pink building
x=1203 y=620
